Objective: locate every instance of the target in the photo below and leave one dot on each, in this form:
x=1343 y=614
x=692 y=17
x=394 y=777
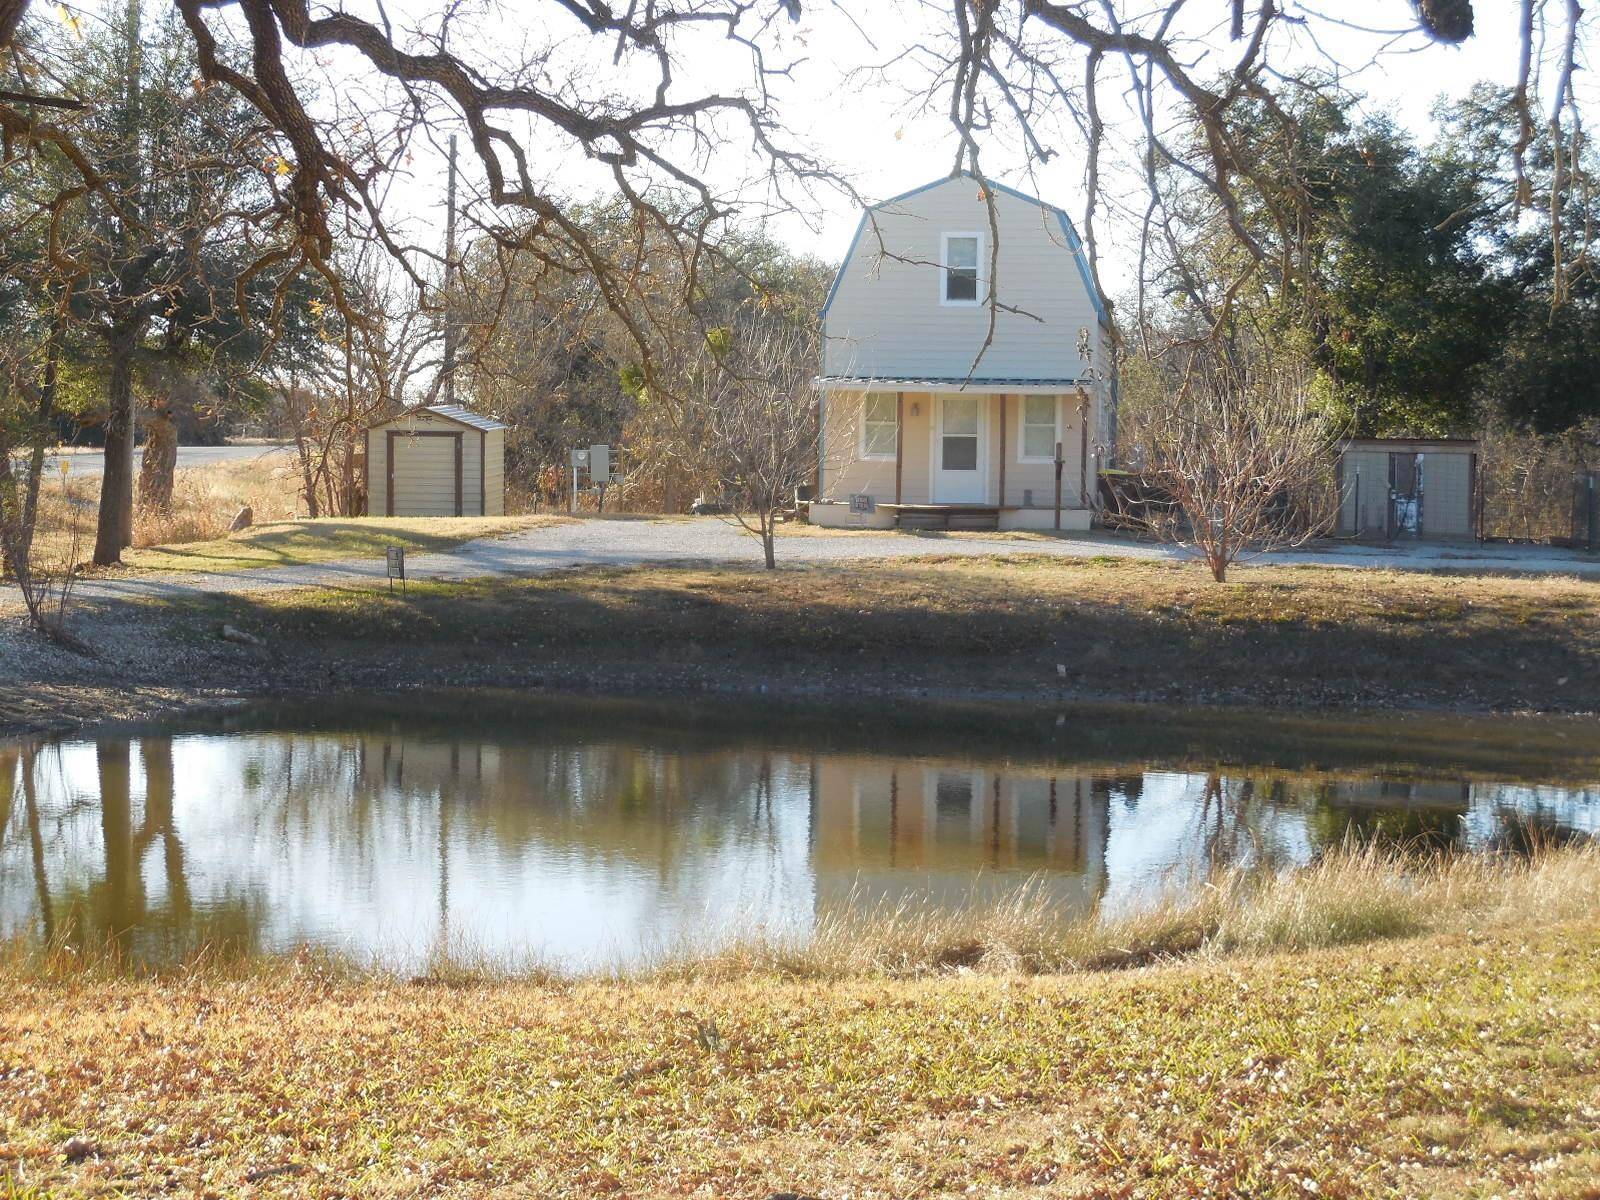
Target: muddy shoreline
x=107 y=694
x=1001 y=632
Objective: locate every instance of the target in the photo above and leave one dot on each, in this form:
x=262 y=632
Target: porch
x=939 y=457
x=832 y=514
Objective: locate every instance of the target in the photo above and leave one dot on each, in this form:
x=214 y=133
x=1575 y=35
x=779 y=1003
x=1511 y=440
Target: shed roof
x=1386 y=443
x=450 y=412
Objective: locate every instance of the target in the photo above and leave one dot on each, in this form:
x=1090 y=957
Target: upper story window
x=1040 y=433
x=960 y=262
x=879 y=425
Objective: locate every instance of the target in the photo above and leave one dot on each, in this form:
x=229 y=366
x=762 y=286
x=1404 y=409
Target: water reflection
x=578 y=849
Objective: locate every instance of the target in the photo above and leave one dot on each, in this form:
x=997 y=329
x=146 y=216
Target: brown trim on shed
x=483 y=472
x=388 y=506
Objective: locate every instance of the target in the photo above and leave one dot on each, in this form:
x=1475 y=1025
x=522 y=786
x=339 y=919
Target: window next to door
x=879 y=420
x=1040 y=430
x=958 y=281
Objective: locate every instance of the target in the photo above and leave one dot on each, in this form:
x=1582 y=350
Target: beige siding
x=1447 y=490
x=494 y=466
x=845 y=472
x=1040 y=477
x=425 y=476
x=1366 y=493
x=886 y=318
x=1446 y=495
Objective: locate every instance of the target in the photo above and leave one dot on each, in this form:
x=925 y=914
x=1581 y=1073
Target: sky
x=876 y=127
x=879 y=130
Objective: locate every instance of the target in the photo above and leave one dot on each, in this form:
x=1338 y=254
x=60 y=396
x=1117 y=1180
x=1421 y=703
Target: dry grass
x=204 y=503
x=206 y=499
x=193 y=535
x=1359 y=895
x=1307 y=636
x=1459 y=1063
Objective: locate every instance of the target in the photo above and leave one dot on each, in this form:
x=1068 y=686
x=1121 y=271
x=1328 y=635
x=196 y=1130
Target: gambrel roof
x=1069 y=233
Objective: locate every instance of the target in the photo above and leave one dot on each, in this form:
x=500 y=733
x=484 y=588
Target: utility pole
x=447 y=366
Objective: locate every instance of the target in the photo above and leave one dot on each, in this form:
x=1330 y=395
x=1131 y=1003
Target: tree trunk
x=308 y=477
x=115 y=529
x=10 y=17
x=768 y=531
x=160 y=460
x=21 y=547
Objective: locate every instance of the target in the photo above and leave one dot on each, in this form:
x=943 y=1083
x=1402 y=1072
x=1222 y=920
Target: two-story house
x=925 y=426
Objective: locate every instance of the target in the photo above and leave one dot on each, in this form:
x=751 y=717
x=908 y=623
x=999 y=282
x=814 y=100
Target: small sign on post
x=397 y=566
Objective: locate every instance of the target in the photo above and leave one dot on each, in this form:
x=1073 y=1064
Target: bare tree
x=1246 y=456
x=750 y=422
x=658 y=131
x=46 y=587
x=335 y=383
x=1210 y=89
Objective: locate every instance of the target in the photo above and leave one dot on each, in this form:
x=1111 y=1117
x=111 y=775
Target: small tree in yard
x=1246 y=456
x=752 y=420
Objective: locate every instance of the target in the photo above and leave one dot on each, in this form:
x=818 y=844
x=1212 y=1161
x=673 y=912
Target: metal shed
x=436 y=461
x=1399 y=488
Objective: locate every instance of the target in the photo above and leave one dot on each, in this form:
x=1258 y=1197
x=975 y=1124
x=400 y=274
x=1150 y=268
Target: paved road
x=93 y=462
x=623 y=542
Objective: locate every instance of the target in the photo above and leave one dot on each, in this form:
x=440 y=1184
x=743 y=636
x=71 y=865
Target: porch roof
x=977 y=383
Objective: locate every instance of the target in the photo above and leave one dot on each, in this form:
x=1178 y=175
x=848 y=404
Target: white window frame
x=861 y=432
x=944 y=270
x=1022 y=430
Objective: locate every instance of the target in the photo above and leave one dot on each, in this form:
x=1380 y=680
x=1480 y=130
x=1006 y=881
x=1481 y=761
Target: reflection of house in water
x=884 y=832
x=1428 y=809
x=413 y=765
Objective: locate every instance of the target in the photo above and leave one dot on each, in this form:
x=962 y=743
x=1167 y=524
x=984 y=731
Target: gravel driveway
x=623 y=542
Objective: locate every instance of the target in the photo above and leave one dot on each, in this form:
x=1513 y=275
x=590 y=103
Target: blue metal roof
x=996 y=383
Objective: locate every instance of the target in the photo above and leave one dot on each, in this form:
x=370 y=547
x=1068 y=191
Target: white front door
x=960 y=450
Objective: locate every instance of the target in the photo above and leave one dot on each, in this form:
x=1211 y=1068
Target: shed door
x=426 y=475
x=1405 y=494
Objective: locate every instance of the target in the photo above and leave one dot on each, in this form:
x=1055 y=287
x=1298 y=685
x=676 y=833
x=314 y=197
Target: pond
x=597 y=835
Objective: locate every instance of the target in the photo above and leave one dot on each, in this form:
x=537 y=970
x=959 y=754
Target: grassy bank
x=1433 y=1035
x=1113 y=629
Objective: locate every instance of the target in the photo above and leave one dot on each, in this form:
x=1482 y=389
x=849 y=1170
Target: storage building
x=437 y=461
x=1397 y=488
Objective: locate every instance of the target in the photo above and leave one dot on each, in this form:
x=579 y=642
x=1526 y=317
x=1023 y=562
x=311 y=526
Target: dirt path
x=624 y=542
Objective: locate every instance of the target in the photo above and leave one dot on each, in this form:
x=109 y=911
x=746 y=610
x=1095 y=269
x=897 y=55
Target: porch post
x=1002 y=450
x=899 y=440
x=1083 y=453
